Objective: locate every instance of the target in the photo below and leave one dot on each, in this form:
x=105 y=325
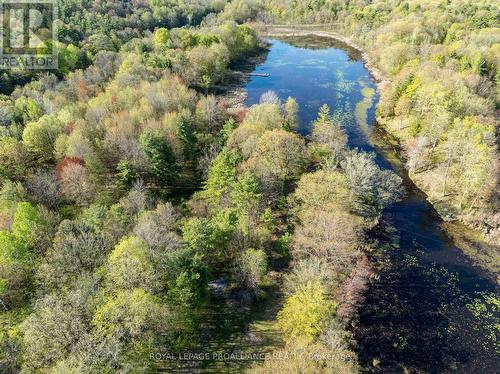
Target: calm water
x=316 y=76
x=417 y=317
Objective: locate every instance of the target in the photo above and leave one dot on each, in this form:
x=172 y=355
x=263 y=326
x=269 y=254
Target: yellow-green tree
x=305 y=312
x=161 y=37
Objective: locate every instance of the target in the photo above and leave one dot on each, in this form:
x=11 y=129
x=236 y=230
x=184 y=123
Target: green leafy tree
x=227 y=129
x=324 y=115
x=127 y=173
x=291 y=114
x=14 y=158
x=69 y=58
x=221 y=176
x=161 y=38
x=27 y=109
x=251 y=266
x=210 y=237
x=130 y=266
x=279 y=156
x=161 y=160
x=189 y=287
x=130 y=316
x=205 y=66
x=321 y=188
x=267 y=115
x=19 y=250
x=186 y=135
x=40 y=137
x=246 y=193
x=28 y=224
x=329 y=140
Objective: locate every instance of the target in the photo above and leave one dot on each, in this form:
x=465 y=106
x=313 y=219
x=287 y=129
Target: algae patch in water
x=362 y=107
x=486 y=308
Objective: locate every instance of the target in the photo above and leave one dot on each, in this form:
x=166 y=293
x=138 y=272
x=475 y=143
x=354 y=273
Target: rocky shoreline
x=232 y=91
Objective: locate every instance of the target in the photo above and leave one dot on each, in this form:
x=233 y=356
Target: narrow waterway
x=432 y=310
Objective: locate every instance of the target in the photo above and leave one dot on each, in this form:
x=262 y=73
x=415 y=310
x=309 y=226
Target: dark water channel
x=432 y=310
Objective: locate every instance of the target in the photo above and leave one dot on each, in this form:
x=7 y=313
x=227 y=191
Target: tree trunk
x=446 y=175
x=4 y=306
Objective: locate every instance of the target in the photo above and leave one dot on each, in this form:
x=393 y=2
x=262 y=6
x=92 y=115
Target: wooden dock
x=258 y=74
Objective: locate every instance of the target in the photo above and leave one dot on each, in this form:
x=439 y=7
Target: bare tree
x=270 y=97
x=157 y=227
x=415 y=150
x=76 y=184
x=43 y=188
x=207 y=156
x=136 y=200
x=330 y=234
x=372 y=188
x=209 y=114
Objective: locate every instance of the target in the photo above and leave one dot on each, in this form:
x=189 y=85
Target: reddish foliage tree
x=66 y=162
x=241 y=114
x=70 y=126
x=82 y=90
x=353 y=290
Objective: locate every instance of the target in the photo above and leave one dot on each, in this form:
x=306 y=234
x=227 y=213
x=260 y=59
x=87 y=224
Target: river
x=432 y=310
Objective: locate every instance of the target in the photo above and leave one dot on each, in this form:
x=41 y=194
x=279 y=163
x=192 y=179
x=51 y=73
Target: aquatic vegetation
x=362 y=107
x=486 y=308
x=345 y=86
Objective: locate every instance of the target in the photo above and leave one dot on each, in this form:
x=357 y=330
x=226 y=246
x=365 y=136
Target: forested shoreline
x=442 y=101
x=106 y=254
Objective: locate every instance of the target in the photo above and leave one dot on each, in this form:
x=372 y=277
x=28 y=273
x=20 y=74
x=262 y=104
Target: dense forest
x=128 y=185
x=97 y=265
